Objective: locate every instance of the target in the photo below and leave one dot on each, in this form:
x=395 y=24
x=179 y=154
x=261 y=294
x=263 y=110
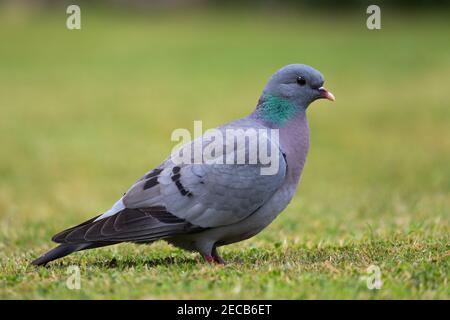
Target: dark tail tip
x=60 y=251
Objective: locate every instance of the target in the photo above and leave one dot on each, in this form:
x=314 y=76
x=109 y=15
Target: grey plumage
x=201 y=206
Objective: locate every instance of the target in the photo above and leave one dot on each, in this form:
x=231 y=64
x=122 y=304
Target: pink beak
x=324 y=93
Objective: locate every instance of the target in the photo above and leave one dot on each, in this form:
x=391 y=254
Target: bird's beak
x=324 y=93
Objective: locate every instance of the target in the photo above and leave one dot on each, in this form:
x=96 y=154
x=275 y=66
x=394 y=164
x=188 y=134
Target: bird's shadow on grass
x=150 y=262
x=129 y=263
x=177 y=261
x=251 y=257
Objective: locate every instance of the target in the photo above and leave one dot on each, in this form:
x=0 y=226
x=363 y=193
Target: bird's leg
x=209 y=259
x=217 y=259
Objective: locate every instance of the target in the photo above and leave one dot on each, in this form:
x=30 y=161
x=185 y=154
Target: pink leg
x=217 y=259
x=209 y=259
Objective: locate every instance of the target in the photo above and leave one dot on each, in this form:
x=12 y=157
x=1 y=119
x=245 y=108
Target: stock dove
x=200 y=206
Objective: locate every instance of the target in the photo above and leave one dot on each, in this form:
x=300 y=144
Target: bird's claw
x=214 y=259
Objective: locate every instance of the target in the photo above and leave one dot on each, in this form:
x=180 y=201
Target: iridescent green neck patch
x=277 y=110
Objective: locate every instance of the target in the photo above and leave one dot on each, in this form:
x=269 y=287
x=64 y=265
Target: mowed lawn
x=83 y=114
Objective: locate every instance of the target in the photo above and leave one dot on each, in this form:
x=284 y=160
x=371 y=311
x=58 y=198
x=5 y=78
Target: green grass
x=83 y=114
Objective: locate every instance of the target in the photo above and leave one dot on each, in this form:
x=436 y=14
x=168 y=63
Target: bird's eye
x=301 y=81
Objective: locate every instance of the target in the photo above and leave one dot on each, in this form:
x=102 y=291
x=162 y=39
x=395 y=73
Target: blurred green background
x=84 y=113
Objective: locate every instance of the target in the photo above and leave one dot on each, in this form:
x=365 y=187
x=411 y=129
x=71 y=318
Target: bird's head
x=298 y=83
x=290 y=90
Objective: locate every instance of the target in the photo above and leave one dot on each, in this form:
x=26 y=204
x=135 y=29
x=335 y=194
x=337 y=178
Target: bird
x=201 y=206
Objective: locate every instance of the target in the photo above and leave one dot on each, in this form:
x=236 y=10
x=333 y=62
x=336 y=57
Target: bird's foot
x=214 y=259
x=218 y=259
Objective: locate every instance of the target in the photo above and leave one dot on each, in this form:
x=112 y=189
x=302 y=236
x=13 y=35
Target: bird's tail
x=60 y=251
